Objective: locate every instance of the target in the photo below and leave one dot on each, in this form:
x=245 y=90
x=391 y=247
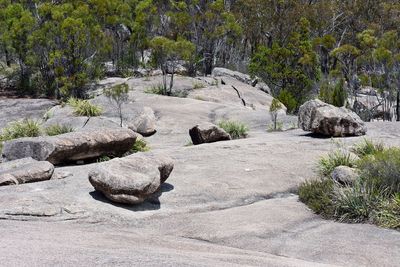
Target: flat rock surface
x=230 y=203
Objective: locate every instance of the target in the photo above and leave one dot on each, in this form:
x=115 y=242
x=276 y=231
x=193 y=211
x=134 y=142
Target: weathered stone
x=344 y=175
x=144 y=123
x=132 y=179
x=208 y=133
x=26 y=170
x=71 y=146
x=321 y=118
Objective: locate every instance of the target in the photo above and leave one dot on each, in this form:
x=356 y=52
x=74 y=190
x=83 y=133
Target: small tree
x=273 y=111
x=118 y=95
x=166 y=53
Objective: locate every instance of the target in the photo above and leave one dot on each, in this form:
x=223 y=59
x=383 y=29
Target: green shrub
x=327 y=164
x=19 y=129
x=388 y=214
x=198 y=85
x=236 y=130
x=355 y=203
x=287 y=99
x=58 y=129
x=84 y=107
x=156 y=89
x=140 y=146
x=317 y=194
x=382 y=170
x=367 y=147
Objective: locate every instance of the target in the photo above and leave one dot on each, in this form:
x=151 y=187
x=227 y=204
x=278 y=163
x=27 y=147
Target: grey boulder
x=344 y=175
x=208 y=133
x=131 y=180
x=26 y=170
x=71 y=146
x=321 y=118
x=144 y=122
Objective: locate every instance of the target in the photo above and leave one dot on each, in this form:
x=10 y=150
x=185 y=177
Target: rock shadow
x=320 y=136
x=152 y=203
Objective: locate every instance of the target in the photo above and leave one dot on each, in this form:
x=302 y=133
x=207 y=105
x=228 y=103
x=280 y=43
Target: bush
x=156 y=89
x=58 y=129
x=140 y=146
x=286 y=98
x=19 y=129
x=327 y=164
x=356 y=203
x=367 y=148
x=317 y=194
x=236 y=130
x=389 y=213
x=382 y=170
x=84 y=107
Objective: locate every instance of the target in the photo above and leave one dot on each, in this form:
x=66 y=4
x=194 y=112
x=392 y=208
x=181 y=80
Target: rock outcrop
x=208 y=133
x=131 y=180
x=26 y=170
x=321 y=118
x=344 y=175
x=71 y=146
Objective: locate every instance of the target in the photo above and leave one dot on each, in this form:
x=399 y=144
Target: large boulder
x=71 y=146
x=208 y=133
x=26 y=170
x=131 y=180
x=321 y=118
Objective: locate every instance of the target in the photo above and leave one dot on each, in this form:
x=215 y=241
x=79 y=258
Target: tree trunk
x=398 y=105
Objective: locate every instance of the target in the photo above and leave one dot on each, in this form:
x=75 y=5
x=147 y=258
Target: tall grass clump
x=84 y=107
x=19 y=129
x=373 y=196
x=58 y=129
x=367 y=147
x=235 y=129
x=327 y=164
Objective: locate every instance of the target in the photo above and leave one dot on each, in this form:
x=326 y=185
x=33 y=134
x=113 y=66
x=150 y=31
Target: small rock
x=131 y=180
x=144 y=123
x=208 y=133
x=344 y=175
x=26 y=170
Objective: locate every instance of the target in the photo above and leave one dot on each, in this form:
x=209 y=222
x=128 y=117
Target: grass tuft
x=236 y=130
x=84 y=107
x=58 y=129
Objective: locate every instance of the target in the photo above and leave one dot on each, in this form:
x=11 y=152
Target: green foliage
x=374 y=197
x=118 y=95
x=381 y=171
x=288 y=100
x=334 y=94
x=156 y=89
x=166 y=53
x=19 y=129
x=273 y=110
x=317 y=194
x=367 y=147
x=388 y=213
x=198 y=85
x=327 y=164
x=291 y=69
x=84 y=107
x=58 y=129
x=140 y=146
x=235 y=129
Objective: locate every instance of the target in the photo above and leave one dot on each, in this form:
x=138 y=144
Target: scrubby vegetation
x=84 y=107
x=19 y=129
x=118 y=95
x=373 y=198
x=235 y=129
x=58 y=129
x=140 y=146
